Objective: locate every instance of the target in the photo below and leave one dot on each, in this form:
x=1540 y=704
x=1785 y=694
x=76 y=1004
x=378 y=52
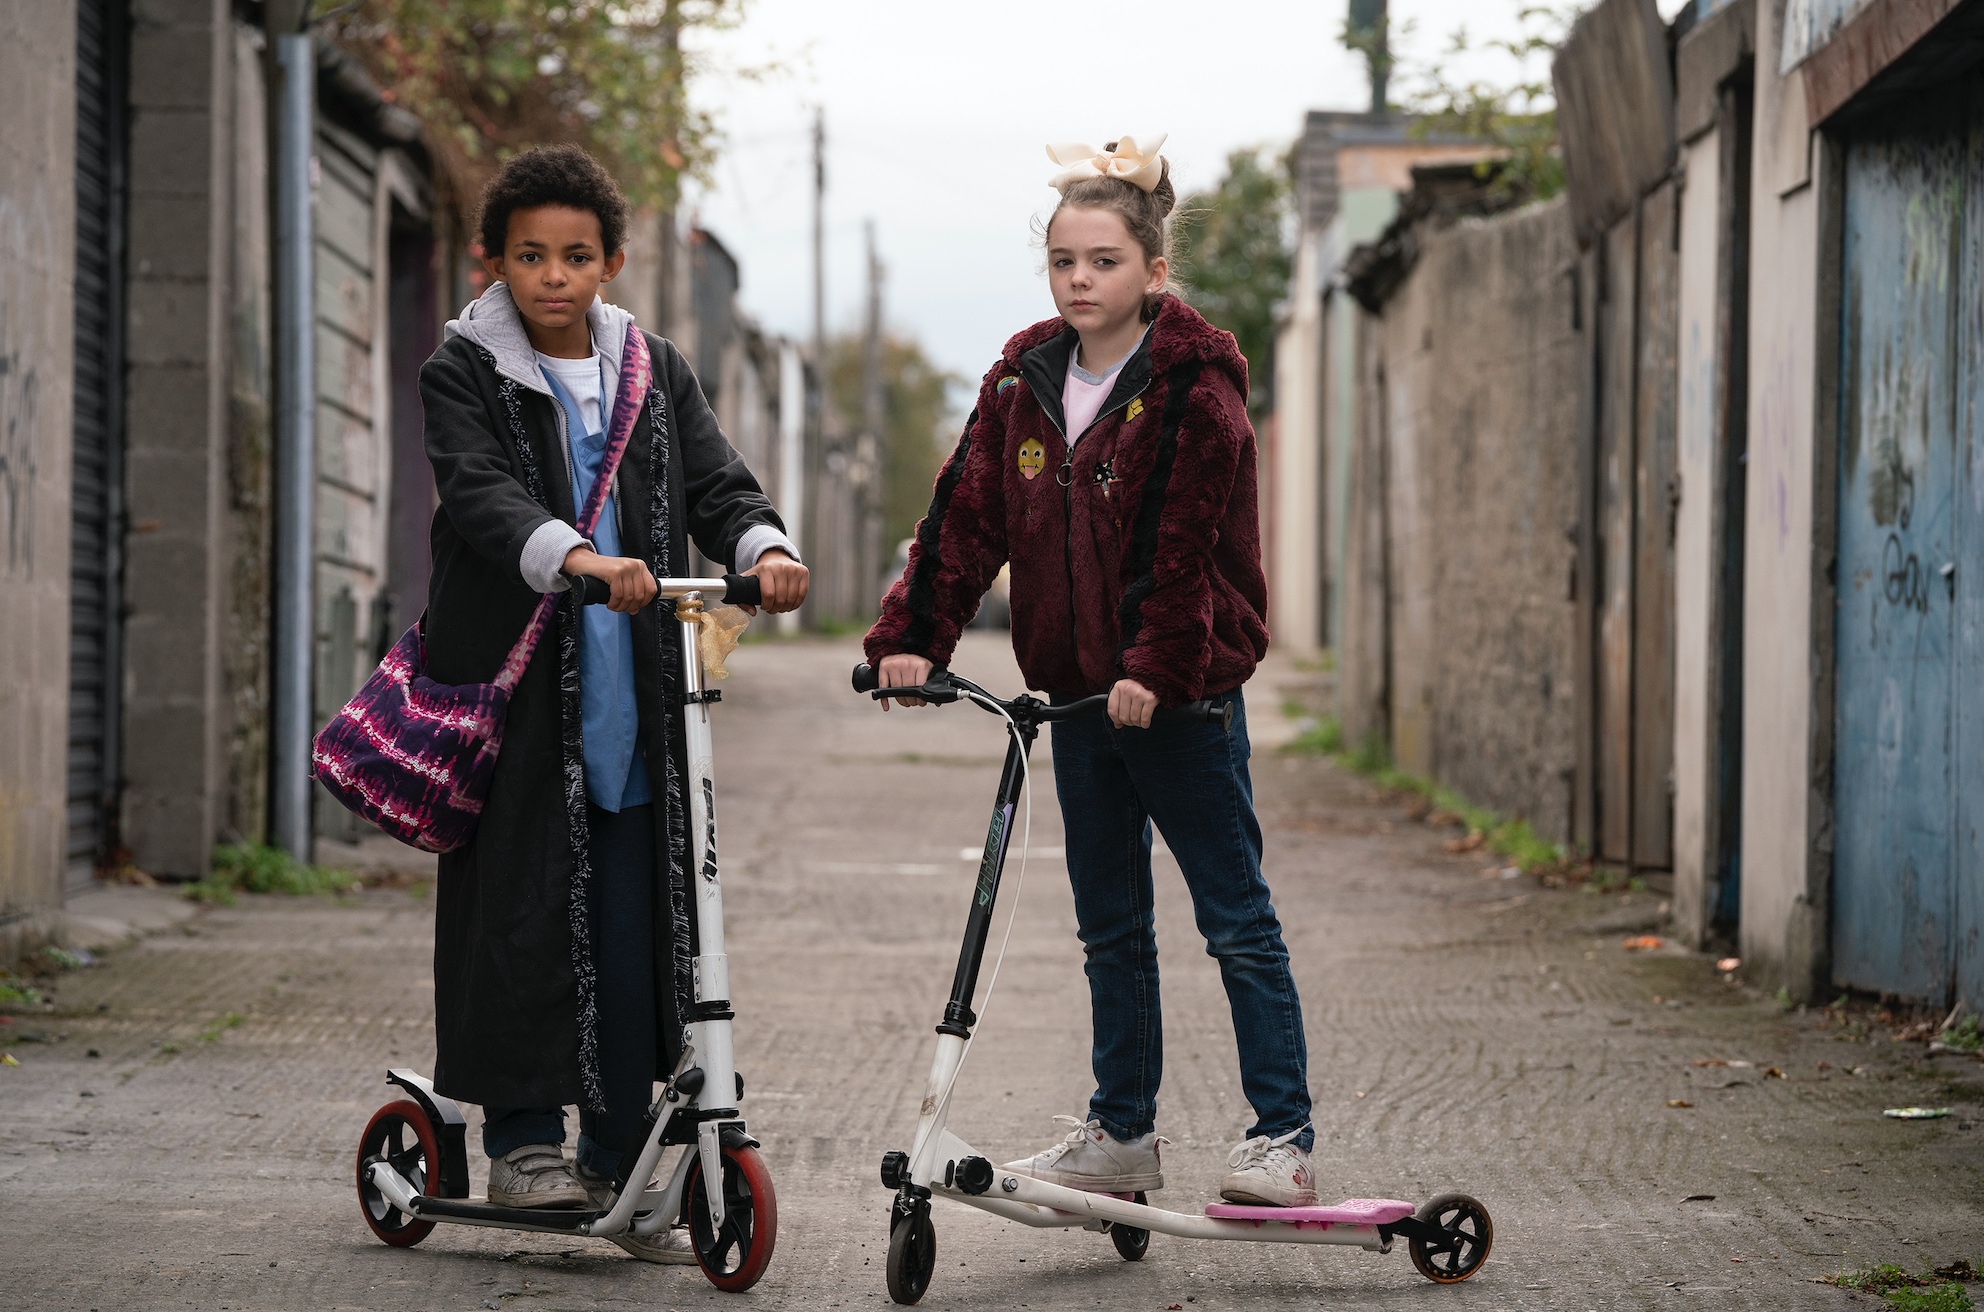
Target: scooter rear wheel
x=735 y=1255
x=400 y=1133
x=1132 y=1242
x=1451 y=1263
x=912 y=1255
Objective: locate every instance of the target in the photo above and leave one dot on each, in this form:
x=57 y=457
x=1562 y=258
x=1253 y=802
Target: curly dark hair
x=552 y=175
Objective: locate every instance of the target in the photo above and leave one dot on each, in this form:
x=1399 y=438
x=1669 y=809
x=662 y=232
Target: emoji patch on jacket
x=1033 y=458
x=1135 y=408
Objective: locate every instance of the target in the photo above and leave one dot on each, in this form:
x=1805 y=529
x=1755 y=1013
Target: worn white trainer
x=535 y=1175
x=670 y=1247
x=1090 y=1159
x=1270 y=1173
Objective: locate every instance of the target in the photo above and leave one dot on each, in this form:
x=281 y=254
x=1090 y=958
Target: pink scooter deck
x=1351 y=1211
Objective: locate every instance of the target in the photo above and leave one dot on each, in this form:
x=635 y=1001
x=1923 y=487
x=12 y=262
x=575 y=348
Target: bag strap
x=636 y=376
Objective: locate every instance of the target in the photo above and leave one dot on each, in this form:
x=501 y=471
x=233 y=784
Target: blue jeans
x=1192 y=780
x=622 y=852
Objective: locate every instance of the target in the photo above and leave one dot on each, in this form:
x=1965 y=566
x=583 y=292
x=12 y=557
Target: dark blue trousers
x=624 y=874
x=1192 y=780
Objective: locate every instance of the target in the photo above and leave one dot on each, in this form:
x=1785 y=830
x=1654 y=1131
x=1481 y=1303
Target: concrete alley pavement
x=181 y=1128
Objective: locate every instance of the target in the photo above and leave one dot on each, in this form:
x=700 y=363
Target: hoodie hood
x=492 y=322
x=1178 y=333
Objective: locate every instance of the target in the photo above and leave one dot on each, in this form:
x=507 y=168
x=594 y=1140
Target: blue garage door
x=1910 y=704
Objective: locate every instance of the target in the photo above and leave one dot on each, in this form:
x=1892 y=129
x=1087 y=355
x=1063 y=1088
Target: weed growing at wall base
x=1505 y=837
x=240 y=868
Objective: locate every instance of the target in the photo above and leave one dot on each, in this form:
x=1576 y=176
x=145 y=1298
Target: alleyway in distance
x=1466 y=1032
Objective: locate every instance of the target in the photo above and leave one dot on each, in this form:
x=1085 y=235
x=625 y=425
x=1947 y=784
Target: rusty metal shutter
x=94 y=601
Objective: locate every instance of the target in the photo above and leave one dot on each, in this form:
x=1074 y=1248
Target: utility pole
x=820 y=238
x=1369 y=32
x=871 y=453
x=823 y=490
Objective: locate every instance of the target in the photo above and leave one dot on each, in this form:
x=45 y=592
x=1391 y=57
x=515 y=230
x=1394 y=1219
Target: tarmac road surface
x=1466 y=1032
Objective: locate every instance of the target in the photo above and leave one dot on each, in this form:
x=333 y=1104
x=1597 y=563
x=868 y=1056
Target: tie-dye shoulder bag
x=415 y=757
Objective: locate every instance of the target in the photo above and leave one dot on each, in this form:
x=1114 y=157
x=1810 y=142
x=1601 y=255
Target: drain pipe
x=295 y=449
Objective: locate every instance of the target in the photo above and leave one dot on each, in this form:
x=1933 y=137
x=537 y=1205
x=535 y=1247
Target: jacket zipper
x=1067 y=482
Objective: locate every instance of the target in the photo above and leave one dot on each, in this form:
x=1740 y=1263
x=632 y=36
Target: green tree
x=491 y=78
x=1520 y=116
x=917 y=424
x=1232 y=260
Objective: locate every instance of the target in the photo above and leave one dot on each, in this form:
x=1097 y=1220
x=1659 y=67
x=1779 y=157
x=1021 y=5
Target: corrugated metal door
x=1900 y=527
x=1969 y=673
x=94 y=603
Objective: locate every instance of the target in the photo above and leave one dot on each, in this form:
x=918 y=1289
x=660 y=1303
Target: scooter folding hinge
x=707 y=695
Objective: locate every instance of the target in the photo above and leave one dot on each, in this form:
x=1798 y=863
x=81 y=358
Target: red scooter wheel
x=735 y=1255
x=400 y=1133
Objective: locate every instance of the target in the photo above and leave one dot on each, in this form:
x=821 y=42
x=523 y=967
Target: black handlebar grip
x=1219 y=713
x=865 y=678
x=592 y=591
x=743 y=590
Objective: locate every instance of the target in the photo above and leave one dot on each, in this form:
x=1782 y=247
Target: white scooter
x=413 y=1160
x=1448 y=1237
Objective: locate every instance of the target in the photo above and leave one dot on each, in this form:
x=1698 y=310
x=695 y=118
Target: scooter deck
x=1351 y=1211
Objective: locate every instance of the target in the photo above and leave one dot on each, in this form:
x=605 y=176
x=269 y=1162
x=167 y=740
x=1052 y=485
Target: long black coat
x=514 y=986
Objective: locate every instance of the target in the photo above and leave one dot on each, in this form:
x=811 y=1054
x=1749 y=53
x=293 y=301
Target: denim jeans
x=1192 y=780
x=622 y=851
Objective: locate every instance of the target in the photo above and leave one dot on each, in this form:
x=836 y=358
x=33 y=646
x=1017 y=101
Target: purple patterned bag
x=414 y=756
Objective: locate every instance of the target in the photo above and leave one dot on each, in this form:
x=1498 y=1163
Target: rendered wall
x=1786 y=771
x=37 y=245
x=1694 y=547
x=1481 y=357
x=1291 y=475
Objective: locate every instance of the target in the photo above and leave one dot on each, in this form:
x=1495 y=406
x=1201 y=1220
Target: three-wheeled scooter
x=1448 y=1236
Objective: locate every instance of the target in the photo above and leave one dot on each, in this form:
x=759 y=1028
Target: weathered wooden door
x=1634 y=500
x=1908 y=600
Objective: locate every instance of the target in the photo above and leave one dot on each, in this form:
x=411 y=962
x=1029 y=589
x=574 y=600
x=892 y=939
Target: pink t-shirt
x=1083 y=394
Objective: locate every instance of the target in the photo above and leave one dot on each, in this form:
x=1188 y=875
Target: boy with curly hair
x=561 y=942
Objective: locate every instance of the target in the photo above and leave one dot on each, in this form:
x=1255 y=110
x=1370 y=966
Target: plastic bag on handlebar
x=722 y=629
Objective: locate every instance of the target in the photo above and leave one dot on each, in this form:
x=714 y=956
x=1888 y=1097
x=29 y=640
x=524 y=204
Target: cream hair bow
x=1127 y=160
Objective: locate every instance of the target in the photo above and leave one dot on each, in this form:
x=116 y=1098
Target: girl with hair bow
x=1110 y=462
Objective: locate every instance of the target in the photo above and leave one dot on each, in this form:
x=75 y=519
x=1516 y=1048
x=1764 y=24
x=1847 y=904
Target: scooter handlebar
x=939 y=689
x=738 y=590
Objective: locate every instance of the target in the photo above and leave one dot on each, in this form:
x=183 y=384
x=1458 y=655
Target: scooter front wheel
x=400 y=1135
x=735 y=1255
x=912 y=1254
x=1471 y=1235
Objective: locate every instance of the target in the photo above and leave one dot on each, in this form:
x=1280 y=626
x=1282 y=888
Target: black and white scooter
x=413 y=1159
x=1448 y=1237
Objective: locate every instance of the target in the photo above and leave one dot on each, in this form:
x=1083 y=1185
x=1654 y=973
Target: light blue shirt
x=616 y=776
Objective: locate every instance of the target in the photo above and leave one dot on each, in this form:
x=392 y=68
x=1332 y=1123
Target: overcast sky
x=938 y=113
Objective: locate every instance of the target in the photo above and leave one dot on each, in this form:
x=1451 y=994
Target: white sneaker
x=1091 y=1160
x=535 y=1175
x=1270 y=1173
x=670 y=1247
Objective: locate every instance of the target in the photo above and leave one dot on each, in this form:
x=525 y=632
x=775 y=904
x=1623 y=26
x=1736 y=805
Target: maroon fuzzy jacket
x=1135 y=554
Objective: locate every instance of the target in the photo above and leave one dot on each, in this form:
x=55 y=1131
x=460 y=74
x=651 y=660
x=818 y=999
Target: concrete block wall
x=1481 y=350
x=176 y=439
x=37 y=326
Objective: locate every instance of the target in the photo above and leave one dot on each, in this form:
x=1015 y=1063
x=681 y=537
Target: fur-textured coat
x=1137 y=553
x=514 y=983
